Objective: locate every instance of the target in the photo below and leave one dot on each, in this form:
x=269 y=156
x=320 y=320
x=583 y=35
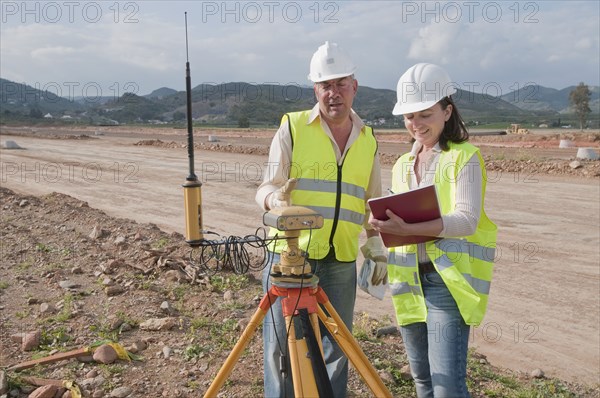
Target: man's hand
x=281 y=197
x=375 y=251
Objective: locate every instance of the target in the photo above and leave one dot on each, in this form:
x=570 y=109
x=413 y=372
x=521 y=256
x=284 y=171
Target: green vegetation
x=161 y=243
x=580 y=100
x=363 y=326
x=231 y=282
x=66 y=311
x=54 y=338
x=193 y=352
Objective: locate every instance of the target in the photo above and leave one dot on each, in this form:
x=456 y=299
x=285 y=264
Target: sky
x=106 y=48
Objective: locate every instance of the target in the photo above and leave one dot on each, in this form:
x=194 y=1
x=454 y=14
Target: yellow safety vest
x=337 y=192
x=465 y=264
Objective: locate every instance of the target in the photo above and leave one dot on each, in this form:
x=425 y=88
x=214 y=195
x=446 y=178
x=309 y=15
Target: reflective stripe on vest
x=336 y=192
x=465 y=264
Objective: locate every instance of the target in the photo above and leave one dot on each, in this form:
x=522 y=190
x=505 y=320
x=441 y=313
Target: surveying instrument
x=303 y=299
x=291 y=280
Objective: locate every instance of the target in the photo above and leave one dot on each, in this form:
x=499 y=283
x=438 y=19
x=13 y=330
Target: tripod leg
x=302 y=373
x=351 y=349
x=312 y=335
x=239 y=347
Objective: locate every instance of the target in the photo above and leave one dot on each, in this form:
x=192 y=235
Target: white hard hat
x=421 y=87
x=330 y=62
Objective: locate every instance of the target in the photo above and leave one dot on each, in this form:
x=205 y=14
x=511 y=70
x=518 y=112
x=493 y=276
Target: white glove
x=365 y=276
x=281 y=197
x=375 y=251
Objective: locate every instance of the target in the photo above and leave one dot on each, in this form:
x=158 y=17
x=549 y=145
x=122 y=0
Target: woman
x=439 y=288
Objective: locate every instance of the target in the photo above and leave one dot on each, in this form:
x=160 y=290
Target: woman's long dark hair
x=455 y=129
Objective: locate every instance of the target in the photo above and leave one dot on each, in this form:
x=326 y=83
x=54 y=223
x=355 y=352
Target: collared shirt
x=465 y=217
x=280 y=157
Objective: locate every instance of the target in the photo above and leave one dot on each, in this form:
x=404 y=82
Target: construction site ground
x=544 y=306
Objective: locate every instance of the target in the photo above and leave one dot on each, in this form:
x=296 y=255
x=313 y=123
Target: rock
x=91 y=374
x=387 y=330
x=17 y=337
x=85 y=359
x=114 y=290
x=111 y=266
x=157 y=324
x=98 y=381
x=120 y=392
x=114 y=322
x=386 y=377
x=242 y=324
x=95 y=234
x=228 y=296
x=537 y=374
x=125 y=327
x=174 y=276
x=31 y=340
x=119 y=240
x=68 y=285
x=575 y=164
x=23 y=203
x=105 y=354
x=44 y=392
x=167 y=351
x=46 y=308
x=405 y=373
x=166 y=307
x=137 y=346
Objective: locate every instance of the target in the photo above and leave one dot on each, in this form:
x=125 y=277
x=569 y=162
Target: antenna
x=188 y=90
x=192 y=187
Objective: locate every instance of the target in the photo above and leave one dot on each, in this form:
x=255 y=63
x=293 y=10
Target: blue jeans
x=338 y=281
x=437 y=349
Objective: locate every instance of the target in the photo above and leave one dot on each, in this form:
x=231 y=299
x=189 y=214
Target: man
x=333 y=156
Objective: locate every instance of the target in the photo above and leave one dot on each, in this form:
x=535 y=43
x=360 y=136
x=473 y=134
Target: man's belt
x=426 y=268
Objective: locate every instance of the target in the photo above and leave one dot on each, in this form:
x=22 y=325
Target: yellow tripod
x=300 y=292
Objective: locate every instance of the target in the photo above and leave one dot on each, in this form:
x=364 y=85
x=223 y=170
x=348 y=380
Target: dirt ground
x=544 y=309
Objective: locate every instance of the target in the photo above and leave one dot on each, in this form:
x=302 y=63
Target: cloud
x=435 y=43
x=384 y=38
x=49 y=53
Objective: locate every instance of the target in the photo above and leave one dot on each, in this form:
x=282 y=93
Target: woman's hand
x=394 y=225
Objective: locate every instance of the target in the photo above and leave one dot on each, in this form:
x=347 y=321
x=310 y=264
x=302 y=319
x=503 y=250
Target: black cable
x=237 y=254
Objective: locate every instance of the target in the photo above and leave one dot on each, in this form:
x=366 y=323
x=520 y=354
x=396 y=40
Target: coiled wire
x=233 y=253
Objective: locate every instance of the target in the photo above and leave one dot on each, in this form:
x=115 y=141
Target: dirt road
x=544 y=304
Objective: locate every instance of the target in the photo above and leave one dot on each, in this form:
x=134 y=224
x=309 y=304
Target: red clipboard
x=414 y=206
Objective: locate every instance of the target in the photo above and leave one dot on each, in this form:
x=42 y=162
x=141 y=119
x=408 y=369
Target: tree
x=36 y=113
x=580 y=99
x=243 y=122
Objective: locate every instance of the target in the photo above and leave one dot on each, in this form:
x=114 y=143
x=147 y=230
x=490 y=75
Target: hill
x=35 y=102
x=160 y=93
x=540 y=98
x=243 y=104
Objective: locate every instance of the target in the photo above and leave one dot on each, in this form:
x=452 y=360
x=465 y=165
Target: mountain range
x=245 y=104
